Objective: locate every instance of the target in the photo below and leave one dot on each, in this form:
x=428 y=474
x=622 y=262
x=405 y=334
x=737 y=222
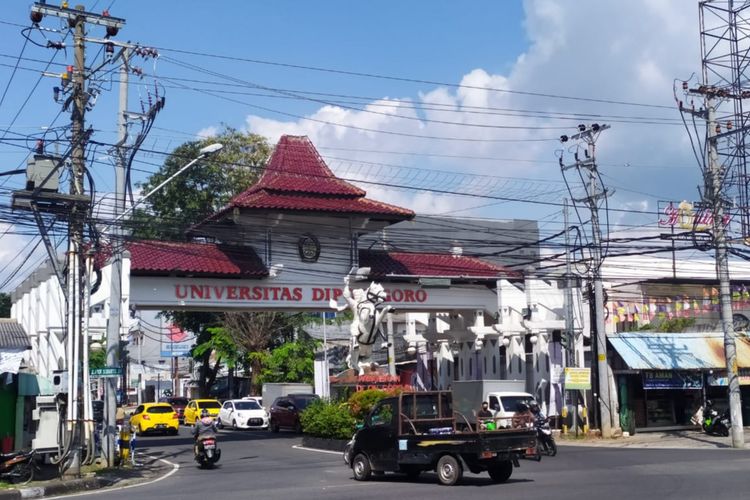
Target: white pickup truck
x=502 y=396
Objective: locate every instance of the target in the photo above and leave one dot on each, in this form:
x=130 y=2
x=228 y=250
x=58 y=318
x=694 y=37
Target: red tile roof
x=297 y=179
x=383 y=264
x=196 y=259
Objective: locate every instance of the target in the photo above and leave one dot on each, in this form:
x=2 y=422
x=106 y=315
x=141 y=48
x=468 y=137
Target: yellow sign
x=577 y=378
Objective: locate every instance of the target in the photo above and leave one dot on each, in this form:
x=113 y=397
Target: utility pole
x=606 y=396
x=78 y=400
x=570 y=340
x=724 y=89
x=114 y=325
x=715 y=198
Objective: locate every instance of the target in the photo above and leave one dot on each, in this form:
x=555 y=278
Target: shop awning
x=677 y=351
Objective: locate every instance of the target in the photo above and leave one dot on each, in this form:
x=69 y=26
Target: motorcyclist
x=522 y=417
x=535 y=410
x=204 y=428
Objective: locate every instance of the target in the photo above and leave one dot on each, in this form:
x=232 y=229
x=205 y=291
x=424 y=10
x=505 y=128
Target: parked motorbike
x=545 y=441
x=207 y=453
x=17 y=467
x=711 y=421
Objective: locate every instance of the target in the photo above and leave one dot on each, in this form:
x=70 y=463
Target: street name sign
x=106 y=372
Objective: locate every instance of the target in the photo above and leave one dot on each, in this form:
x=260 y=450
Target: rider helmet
x=204 y=413
x=534 y=408
x=522 y=407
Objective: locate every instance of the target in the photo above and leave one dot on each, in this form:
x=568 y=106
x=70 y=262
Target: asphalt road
x=268 y=466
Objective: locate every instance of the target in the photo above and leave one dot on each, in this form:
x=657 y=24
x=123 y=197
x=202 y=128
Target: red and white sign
x=198 y=293
x=686 y=216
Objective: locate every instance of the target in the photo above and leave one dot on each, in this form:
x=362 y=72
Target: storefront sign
x=720 y=378
x=577 y=379
x=668 y=379
x=686 y=215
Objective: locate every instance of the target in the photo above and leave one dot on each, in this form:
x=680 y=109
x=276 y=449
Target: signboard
x=690 y=216
x=176 y=352
x=577 y=378
x=200 y=293
x=720 y=378
x=670 y=379
x=106 y=372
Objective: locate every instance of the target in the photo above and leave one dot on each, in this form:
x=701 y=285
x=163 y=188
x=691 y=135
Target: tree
x=291 y=362
x=202 y=189
x=189 y=198
x=5 y=305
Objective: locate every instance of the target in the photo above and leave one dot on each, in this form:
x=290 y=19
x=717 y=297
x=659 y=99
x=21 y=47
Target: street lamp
x=204 y=152
x=115 y=297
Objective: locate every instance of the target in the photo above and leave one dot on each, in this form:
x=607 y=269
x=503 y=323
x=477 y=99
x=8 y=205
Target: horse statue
x=369 y=310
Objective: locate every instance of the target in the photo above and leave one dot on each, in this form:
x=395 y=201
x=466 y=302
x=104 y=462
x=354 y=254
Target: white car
x=257 y=399
x=242 y=414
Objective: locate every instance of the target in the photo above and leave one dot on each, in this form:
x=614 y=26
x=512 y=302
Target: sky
x=422 y=96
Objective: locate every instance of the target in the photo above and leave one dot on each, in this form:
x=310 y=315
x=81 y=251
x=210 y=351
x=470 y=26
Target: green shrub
x=360 y=403
x=328 y=419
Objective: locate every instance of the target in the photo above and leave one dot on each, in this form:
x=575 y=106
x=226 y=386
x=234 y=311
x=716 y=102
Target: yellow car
x=196 y=406
x=155 y=417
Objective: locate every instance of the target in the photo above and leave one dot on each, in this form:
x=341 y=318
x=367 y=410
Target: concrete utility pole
x=78 y=401
x=607 y=398
x=716 y=200
x=570 y=343
x=114 y=325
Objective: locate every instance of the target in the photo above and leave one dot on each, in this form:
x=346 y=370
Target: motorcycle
x=207 y=453
x=711 y=421
x=17 y=467
x=545 y=442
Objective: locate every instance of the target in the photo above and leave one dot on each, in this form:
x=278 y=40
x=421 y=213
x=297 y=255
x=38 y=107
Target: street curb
x=84 y=485
x=62 y=488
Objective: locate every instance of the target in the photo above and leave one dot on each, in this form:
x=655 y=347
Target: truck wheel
x=501 y=472
x=361 y=468
x=449 y=470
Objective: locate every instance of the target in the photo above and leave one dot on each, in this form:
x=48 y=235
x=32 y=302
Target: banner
x=668 y=379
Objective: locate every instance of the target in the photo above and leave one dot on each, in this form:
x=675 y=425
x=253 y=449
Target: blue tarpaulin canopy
x=677 y=351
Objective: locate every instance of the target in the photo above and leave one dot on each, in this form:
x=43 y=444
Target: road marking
x=175 y=468
x=298 y=447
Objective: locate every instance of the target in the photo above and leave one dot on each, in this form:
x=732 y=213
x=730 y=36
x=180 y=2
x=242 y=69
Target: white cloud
x=624 y=51
x=210 y=131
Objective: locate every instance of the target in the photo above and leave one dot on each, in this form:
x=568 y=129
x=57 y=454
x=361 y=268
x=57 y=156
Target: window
x=494 y=403
x=302 y=402
x=382 y=415
x=246 y=405
x=471 y=367
x=160 y=409
x=485 y=366
x=511 y=403
x=210 y=404
x=494 y=364
x=228 y=405
x=139 y=410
